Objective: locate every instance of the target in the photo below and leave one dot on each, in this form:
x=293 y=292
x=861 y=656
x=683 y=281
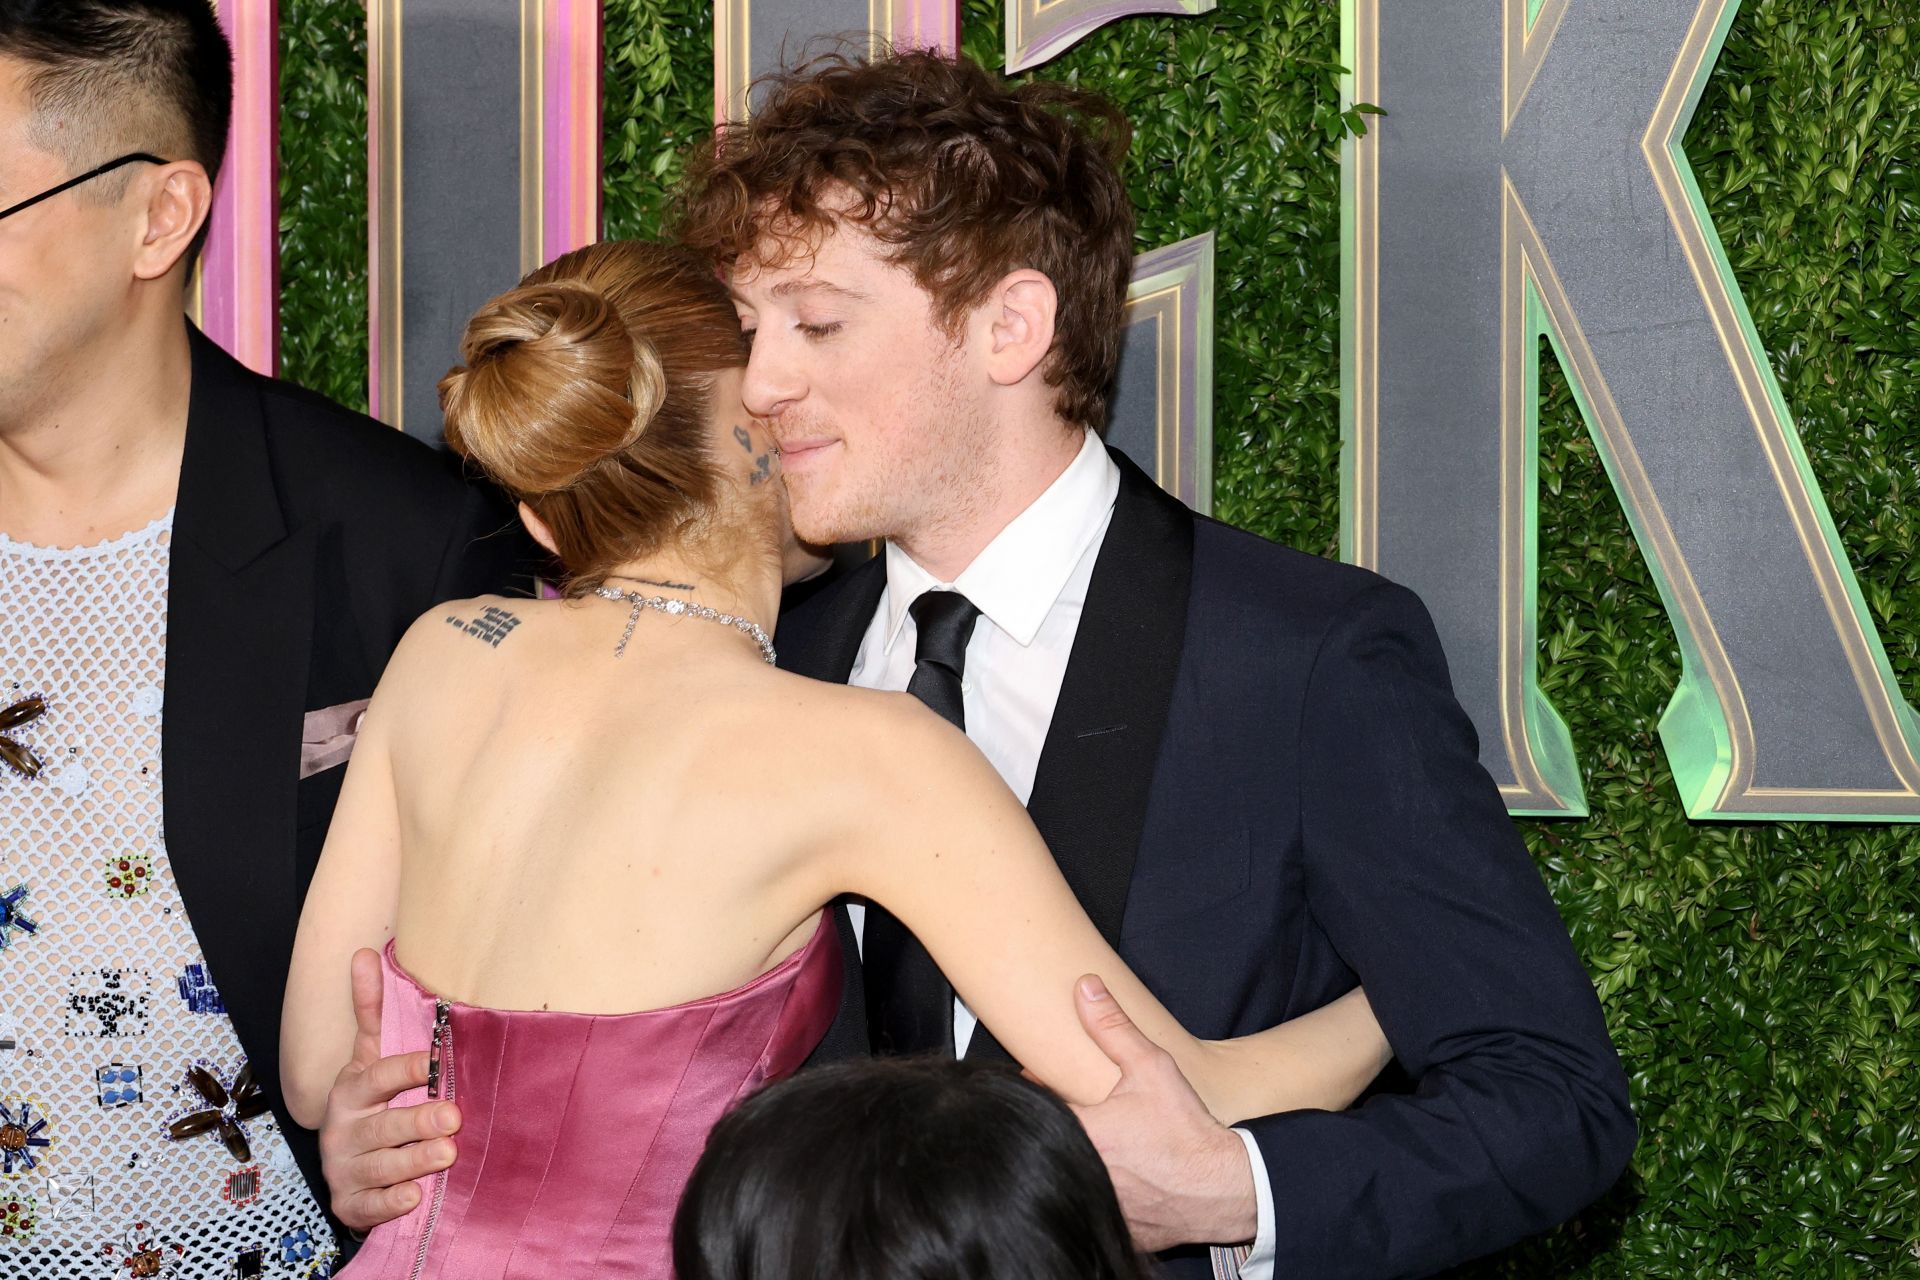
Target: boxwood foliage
x=1760 y=979
x=323 y=197
x=659 y=99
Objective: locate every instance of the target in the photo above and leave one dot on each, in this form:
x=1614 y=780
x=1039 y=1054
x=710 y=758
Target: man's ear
x=177 y=207
x=1019 y=316
x=538 y=528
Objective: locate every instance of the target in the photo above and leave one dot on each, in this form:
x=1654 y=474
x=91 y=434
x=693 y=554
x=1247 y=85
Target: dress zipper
x=439 y=1085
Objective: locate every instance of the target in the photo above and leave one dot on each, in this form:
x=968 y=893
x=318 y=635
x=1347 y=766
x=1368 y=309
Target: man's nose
x=772 y=383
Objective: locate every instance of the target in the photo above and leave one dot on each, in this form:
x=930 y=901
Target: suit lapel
x=239 y=630
x=821 y=637
x=1096 y=769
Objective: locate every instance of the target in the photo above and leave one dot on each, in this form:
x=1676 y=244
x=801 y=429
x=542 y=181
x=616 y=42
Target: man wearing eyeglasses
x=202 y=573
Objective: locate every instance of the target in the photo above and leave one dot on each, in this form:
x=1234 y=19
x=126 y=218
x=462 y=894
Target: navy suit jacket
x=1259 y=784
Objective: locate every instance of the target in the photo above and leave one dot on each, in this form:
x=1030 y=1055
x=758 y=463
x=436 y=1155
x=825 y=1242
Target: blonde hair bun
x=554 y=384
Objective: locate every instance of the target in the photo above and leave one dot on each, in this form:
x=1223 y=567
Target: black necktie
x=909 y=1001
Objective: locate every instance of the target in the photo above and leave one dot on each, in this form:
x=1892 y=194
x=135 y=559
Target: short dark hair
x=908 y=1169
x=132 y=75
x=965 y=176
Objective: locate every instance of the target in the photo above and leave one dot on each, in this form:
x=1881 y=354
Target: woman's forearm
x=1321 y=1060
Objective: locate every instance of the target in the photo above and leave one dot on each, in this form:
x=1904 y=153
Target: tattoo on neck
x=655 y=582
x=762 y=465
x=492 y=626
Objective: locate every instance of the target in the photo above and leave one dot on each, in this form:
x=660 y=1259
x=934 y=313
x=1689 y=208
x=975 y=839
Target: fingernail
x=447 y=1118
x=443 y=1153
x=1092 y=988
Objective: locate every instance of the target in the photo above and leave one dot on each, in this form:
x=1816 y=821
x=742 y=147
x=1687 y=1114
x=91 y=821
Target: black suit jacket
x=305 y=540
x=1259 y=784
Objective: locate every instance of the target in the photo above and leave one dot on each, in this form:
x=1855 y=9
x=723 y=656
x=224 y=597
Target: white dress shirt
x=1030 y=585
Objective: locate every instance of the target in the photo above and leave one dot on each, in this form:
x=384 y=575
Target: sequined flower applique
x=20 y=1136
x=227 y=1106
x=13 y=914
x=143 y=1253
x=129 y=874
x=18 y=755
x=17 y=1217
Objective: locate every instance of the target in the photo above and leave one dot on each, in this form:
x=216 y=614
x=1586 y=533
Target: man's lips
x=798 y=453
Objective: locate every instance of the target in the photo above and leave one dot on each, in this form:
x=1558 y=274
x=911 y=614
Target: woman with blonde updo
x=569 y=823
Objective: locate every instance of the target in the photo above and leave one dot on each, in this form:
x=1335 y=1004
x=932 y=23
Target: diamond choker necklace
x=682 y=609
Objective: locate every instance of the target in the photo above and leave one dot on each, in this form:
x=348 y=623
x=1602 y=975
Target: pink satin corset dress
x=579 y=1131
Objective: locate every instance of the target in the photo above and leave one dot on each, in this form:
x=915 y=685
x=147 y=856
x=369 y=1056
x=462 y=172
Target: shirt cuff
x=1259 y=1264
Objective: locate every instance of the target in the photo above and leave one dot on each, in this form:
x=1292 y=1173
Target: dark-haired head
x=92 y=271
x=108 y=77
x=902 y=1170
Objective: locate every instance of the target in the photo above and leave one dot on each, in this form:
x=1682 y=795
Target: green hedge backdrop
x=1760 y=980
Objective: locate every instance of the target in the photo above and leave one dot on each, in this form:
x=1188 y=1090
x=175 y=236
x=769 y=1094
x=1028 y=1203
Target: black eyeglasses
x=137 y=157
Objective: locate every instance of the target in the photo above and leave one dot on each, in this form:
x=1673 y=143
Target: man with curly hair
x=1247 y=761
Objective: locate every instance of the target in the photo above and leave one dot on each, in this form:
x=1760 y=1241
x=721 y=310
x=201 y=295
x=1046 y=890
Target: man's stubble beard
x=911 y=498
x=942 y=487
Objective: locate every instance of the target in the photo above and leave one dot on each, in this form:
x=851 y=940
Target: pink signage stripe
x=240 y=269
x=570 y=126
x=926 y=24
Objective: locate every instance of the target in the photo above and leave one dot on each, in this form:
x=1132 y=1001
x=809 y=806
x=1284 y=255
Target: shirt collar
x=1017 y=578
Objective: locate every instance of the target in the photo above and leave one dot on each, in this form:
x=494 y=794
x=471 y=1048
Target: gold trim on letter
x=732 y=58
x=1363 y=157
x=384 y=56
x=1523 y=48
x=1777 y=438
x=533 y=47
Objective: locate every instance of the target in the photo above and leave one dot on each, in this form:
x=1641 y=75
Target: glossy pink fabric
x=579 y=1130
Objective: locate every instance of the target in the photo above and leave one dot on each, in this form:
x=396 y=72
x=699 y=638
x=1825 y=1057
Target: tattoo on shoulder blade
x=492 y=626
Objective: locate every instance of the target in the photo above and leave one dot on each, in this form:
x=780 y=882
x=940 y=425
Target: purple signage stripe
x=570 y=125
x=927 y=24
x=240 y=267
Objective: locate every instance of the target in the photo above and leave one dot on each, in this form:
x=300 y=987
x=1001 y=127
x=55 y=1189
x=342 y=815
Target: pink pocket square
x=327 y=736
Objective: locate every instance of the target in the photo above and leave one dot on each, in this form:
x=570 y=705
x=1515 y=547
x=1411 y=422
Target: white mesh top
x=129 y=1143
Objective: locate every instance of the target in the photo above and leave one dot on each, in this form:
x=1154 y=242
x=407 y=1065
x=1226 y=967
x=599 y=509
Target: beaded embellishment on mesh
x=107 y=1010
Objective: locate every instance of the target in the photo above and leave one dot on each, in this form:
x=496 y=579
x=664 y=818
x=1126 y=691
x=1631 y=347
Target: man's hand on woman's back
x=372 y=1153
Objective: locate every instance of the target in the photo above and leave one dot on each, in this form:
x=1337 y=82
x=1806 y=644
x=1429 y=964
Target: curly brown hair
x=966 y=178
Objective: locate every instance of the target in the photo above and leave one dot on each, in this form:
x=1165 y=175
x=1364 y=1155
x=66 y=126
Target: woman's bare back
x=548 y=827
x=601 y=834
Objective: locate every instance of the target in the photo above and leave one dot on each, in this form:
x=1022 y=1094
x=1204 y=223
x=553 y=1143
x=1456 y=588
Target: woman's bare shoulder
x=487 y=622
x=451 y=642
x=868 y=733
x=846 y=710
